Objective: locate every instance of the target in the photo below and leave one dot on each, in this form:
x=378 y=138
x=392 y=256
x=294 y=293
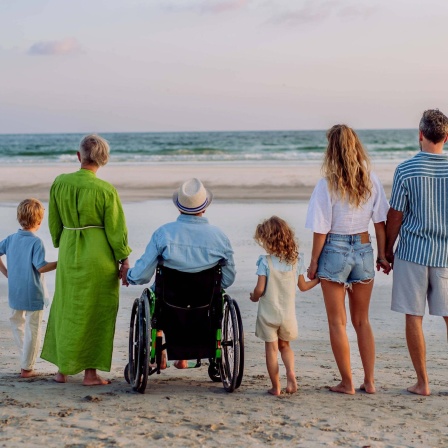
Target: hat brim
x=193 y=211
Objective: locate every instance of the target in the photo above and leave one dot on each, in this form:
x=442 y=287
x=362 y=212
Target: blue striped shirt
x=420 y=191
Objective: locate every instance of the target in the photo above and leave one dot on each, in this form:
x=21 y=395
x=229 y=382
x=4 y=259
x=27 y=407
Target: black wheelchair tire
x=230 y=345
x=239 y=378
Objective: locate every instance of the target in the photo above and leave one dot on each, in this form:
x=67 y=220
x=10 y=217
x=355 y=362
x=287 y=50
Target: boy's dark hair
x=30 y=212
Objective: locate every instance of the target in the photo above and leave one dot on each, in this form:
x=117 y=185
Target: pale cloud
x=207 y=6
x=55 y=48
x=318 y=11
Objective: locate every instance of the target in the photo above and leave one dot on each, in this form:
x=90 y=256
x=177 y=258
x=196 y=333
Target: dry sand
x=184 y=408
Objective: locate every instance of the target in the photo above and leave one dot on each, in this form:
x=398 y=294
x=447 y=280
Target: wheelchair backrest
x=187 y=289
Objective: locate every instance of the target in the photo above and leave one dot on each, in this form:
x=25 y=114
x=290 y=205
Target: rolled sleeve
x=380 y=204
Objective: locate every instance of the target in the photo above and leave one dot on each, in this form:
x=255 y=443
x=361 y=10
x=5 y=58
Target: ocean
x=184 y=147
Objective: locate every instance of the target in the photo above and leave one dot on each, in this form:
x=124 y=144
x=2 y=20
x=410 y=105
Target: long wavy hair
x=277 y=238
x=347 y=166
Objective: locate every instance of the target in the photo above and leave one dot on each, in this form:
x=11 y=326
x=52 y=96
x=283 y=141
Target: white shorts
x=414 y=284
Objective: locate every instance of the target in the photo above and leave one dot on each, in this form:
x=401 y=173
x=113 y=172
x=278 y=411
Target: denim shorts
x=344 y=259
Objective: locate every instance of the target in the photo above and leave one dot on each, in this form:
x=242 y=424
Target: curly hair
x=277 y=238
x=434 y=125
x=346 y=166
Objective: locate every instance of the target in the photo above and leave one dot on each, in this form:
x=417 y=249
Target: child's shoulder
x=262 y=259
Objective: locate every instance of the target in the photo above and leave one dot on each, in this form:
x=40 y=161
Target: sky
x=204 y=65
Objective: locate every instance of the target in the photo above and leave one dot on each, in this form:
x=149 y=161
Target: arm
x=259 y=289
x=394 y=221
x=318 y=244
x=228 y=271
x=145 y=266
x=381 y=261
x=303 y=285
x=3 y=269
x=50 y=266
x=54 y=218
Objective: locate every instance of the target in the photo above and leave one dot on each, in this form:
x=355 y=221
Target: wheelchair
x=199 y=320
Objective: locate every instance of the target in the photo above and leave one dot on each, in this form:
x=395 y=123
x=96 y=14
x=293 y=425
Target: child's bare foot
x=95 y=381
x=420 y=389
x=28 y=373
x=343 y=389
x=275 y=391
x=180 y=364
x=60 y=378
x=291 y=384
x=369 y=388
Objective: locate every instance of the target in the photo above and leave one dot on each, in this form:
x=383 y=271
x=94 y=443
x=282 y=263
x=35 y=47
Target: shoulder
x=262 y=260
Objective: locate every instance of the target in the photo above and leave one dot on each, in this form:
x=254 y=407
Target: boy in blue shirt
x=25 y=253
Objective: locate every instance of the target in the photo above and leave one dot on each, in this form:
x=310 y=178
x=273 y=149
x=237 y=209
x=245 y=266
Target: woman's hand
x=382 y=263
x=311 y=271
x=123 y=271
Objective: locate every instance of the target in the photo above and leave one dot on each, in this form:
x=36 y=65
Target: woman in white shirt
x=340 y=209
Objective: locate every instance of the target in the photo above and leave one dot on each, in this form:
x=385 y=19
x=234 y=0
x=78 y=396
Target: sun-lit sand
x=184 y=408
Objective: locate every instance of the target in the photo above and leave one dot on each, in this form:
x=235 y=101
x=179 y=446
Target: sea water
x=185 y=147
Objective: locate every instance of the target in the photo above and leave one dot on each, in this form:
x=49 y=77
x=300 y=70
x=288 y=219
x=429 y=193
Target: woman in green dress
x=87 y=223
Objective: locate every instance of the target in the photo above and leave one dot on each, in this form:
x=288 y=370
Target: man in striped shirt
x=419 y=214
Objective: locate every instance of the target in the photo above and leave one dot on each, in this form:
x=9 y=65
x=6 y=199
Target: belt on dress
x=82 y=228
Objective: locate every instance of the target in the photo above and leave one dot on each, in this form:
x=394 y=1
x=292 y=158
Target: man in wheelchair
x=189 y=244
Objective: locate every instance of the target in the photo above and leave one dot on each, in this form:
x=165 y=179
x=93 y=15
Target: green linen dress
x=81 y=325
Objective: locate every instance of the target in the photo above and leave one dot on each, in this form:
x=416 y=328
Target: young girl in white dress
x=278 y=274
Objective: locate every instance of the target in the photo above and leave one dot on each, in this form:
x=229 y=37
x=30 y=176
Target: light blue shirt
x=25 y=254
x=189 y=244
x=420 y=191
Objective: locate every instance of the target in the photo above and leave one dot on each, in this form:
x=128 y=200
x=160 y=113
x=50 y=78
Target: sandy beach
x=184 y=408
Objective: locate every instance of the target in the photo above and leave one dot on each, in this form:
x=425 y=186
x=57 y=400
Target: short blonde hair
x=94 y=149
x=277 y=238
x=346 y=166
x=30 y=213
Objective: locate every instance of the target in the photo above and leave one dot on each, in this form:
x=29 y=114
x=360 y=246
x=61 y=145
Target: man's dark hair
x=434 y=125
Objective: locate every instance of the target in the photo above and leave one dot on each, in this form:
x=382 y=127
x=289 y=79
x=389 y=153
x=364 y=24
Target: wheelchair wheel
x=231 y=359
x=139 y=335
x=213 y=372
x=241 y=339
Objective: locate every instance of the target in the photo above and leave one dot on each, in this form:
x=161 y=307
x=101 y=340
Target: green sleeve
x=54 y=219
x=115 y=227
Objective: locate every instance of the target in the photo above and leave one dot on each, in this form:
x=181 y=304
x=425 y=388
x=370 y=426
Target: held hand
x=252 y=298
x=390 y=258
x=123 y=272
x=383 y=264
x=312 y=270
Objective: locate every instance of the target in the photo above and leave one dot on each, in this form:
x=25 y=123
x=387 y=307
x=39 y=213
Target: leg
x=359 y=298
x=17 y=321
x=31 y=342
x=334 y=297
x=288 y=359
x=271 y=349
x=417 y=351
x=91 y=378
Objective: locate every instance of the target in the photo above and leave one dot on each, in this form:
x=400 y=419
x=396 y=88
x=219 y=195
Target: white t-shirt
x=327 y=213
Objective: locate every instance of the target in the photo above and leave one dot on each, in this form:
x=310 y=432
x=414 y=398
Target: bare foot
x=342 y=389
x=274 y=391
x=419 y=390
x=28 y=373
x=369 y=388
x=291 y=384
x=60 y=378
x=95 y=381
x=180 y=364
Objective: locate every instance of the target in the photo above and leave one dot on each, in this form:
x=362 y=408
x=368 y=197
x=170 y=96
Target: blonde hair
x=346 y=166
x=277 y=238
x=94 y=149
x=30 y=213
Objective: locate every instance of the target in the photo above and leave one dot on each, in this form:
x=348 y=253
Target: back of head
x=94 y=150
x=30 y=213
x=434 y=125
x=275 y=235
x=346 y=165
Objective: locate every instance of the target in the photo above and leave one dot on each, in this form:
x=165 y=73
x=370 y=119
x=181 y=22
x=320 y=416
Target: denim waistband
x=351 y=239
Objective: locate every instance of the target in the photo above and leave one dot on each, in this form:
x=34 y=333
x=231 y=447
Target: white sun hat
x=192 y=197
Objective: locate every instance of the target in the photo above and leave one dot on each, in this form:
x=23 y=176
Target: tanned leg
x=359 y=311
x=288 y=360
x=271 y=349
x=417 y=350
x=334 y=297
